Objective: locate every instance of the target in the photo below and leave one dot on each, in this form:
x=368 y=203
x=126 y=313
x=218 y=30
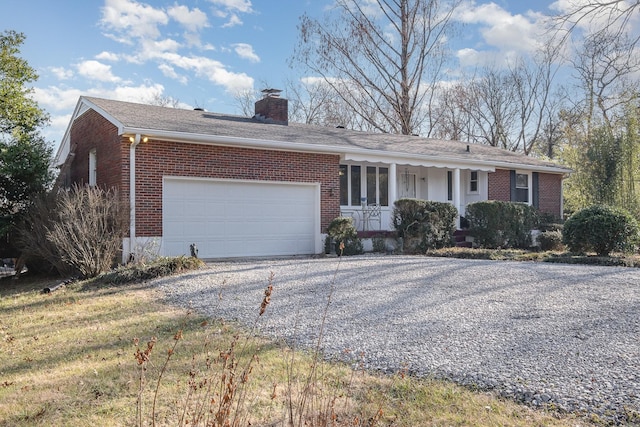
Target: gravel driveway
x=535 y=332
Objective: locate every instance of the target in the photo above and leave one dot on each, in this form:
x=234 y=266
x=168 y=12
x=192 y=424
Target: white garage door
x=239 y=218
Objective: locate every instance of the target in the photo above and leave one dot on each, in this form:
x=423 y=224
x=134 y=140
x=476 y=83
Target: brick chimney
x=271 y=108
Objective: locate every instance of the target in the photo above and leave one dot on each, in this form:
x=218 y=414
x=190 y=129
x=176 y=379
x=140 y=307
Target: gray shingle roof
x=194 y=122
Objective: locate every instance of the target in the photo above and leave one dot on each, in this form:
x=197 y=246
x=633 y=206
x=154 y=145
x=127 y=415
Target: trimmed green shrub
x=342 y=230
x=550 y=240
x=497 y=224
x=424 y=224
x=601 y=229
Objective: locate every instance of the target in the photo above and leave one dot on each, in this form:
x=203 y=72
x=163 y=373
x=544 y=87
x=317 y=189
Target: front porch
x=368 y=190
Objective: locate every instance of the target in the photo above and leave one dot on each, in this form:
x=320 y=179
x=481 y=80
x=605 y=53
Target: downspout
x=132 y=191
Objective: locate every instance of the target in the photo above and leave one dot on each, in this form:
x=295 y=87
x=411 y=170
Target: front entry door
x=407 y=186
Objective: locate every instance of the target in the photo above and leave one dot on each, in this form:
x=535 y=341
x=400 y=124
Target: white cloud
x=245 y=51
x=472 y=58
x=169 y=71
x=107 y=56
x=129 y=19
x=312 y=80
x=212 y=70
x=62 y=99
x=502 y=30
x=193 y=20
x=95 y=70
x=243 y=6
x=229 y=9
x=192 y=39
x=54 y=98
x=151 y=48
x=133 y=93
x=61 y=73
x=233 y=21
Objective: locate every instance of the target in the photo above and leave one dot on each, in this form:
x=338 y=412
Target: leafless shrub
x=77 y=231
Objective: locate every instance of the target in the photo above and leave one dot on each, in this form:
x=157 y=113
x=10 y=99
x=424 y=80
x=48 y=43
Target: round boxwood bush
x=550 y=240
x=601 y=229
x=342 y=230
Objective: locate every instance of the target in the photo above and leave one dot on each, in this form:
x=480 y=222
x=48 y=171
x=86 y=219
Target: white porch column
x=456 y=194
x=393 y=184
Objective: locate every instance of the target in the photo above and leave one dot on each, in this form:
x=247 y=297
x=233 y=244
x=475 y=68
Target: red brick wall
x=500 y=185
x=550 y=193
x=549 y=190
x=156 y=159
x=92 y=131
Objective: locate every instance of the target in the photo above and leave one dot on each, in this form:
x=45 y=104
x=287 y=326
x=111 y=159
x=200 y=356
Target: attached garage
x=233 y=218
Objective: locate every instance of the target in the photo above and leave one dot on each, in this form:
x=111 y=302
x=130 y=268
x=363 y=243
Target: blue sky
x=201 y=52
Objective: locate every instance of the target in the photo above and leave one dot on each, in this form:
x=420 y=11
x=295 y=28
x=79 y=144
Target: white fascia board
x=231 y=141
x=533 y=168
x=425 y=161
x=448 y=162
x=346 y=153
x=82 y=107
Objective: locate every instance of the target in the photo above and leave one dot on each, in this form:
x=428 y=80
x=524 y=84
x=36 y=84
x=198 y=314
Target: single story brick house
x=260 y=186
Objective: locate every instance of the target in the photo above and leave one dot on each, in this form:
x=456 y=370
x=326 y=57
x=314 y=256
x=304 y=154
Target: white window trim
x=477 y=180
x=93 y=168
x=529 y=185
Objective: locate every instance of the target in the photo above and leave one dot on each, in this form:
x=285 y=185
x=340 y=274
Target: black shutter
x=514 y=195
x=534 y=190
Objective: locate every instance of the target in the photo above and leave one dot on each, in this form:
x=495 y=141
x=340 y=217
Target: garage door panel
x=239 y=218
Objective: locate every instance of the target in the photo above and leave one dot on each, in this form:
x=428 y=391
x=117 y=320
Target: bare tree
x=551 y=135
x=245 y=101
x=503 y=108
x=381 y=57
x=606 y=66
x=612 y=17
x=312 y=101
x=163 y=101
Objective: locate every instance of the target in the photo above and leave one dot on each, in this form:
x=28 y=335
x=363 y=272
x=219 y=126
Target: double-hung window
x=473 y=182
x=522 y=187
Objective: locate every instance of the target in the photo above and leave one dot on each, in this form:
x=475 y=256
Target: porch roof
x=204 y=127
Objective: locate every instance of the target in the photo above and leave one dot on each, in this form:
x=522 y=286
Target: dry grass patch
x=68 y=359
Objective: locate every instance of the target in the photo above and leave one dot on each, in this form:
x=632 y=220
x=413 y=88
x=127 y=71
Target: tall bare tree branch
x=381 y=57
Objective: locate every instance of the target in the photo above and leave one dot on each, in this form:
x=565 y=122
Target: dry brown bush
x=77 y=231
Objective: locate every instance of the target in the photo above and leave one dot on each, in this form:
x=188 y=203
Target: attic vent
x=339 y=127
